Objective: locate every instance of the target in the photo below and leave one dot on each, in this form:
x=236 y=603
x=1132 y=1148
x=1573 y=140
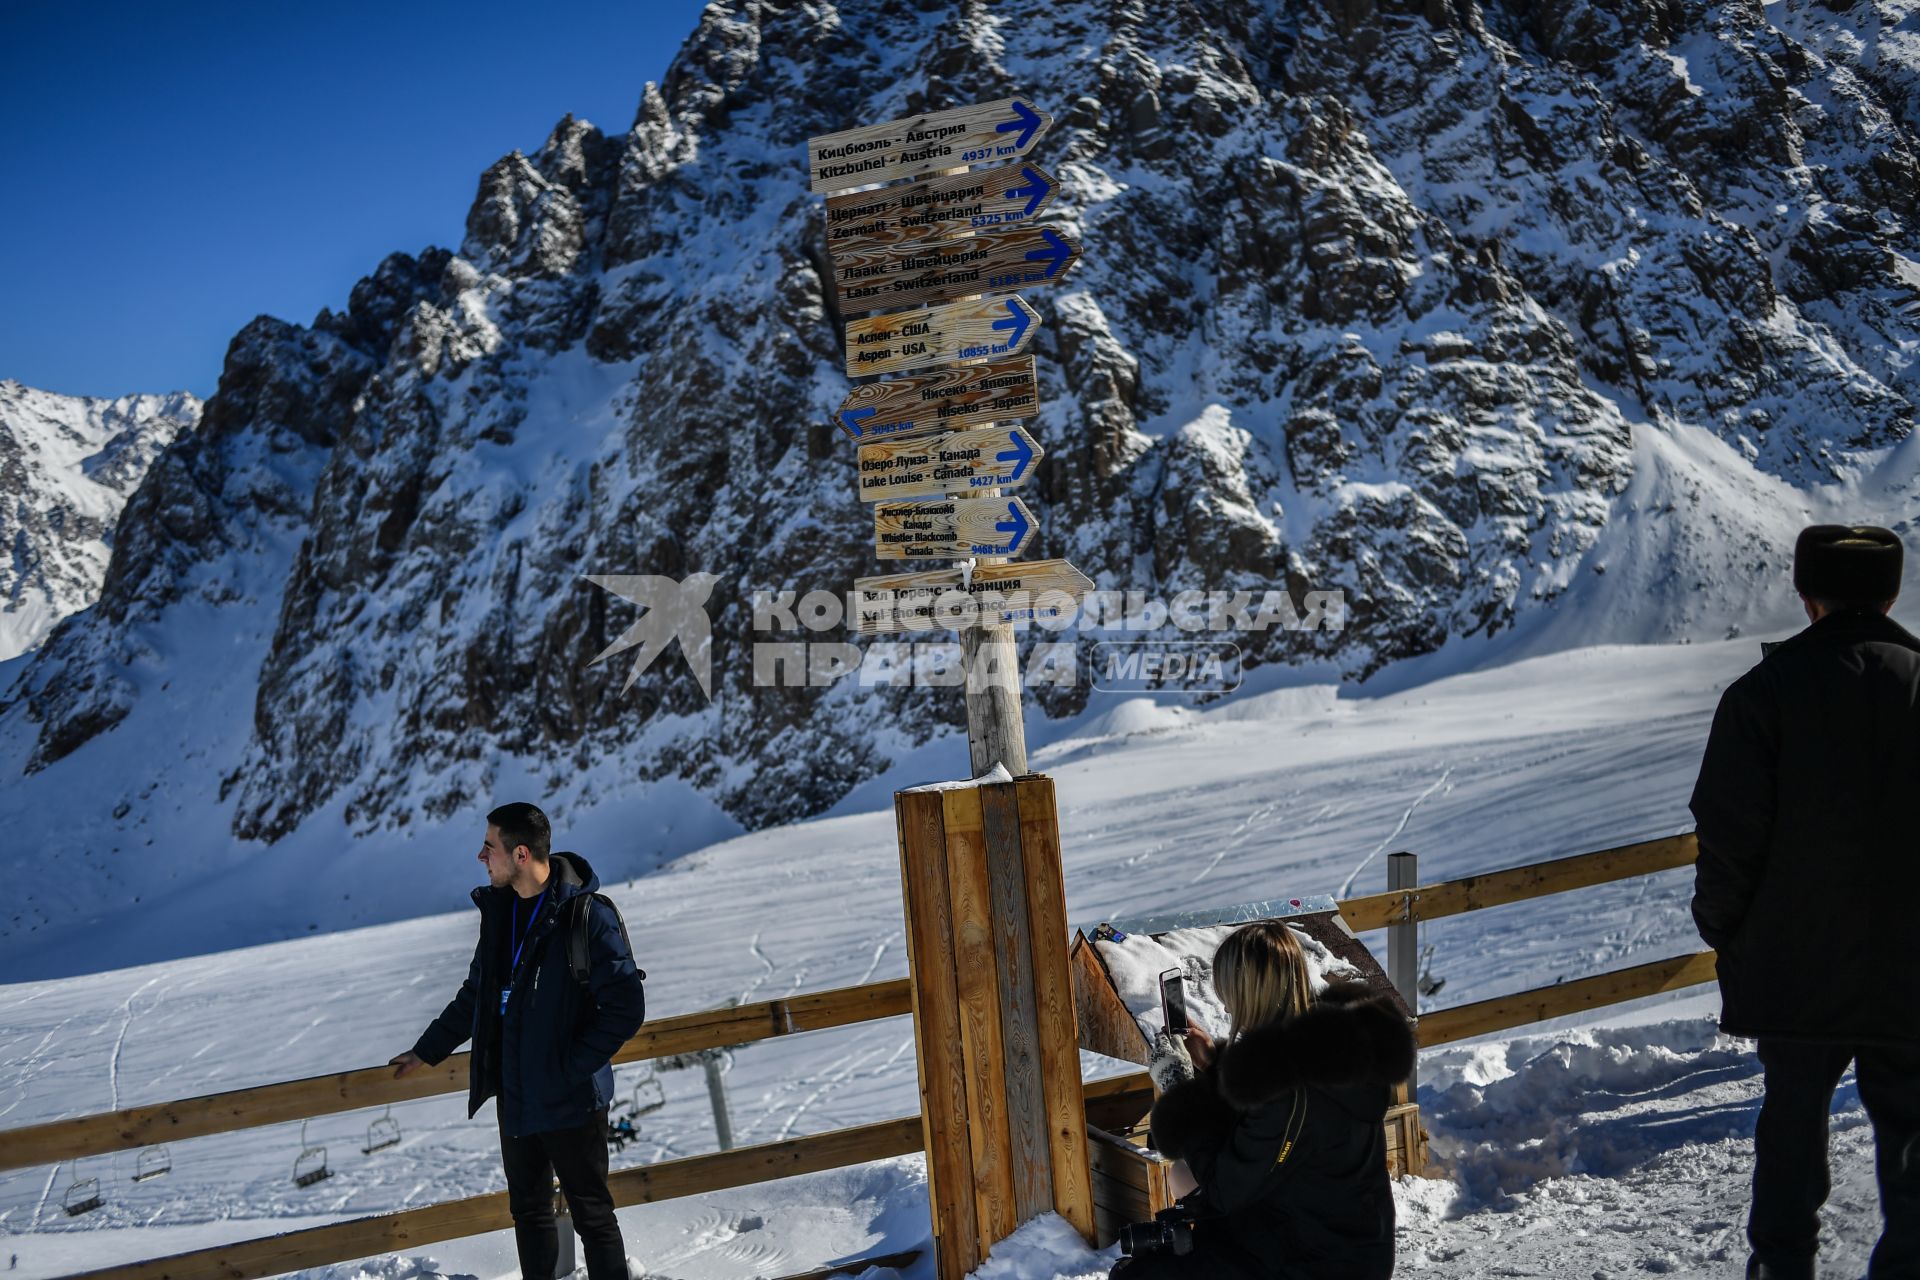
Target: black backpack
x=578 y=961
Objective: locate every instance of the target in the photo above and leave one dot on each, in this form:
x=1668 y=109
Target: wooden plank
x=986 y=132
x=936 y=1031
x=956 y=462
x=994 y=327
x=1066 y=1099
x=952 y=528
x=976 y=956
x=887 y=278
x=1106 y=1025
x=941 y=400
x=455 y=1219
x=937 y=600
x=1517 y=884
x=860 y=1266
x=973 y=200
x=1030 y=1150
x=1503 y=1013
x=181 y=1119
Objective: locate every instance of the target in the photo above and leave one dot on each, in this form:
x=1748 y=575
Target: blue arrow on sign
x=1026 y=121
x=1056 y=252
x=852 y=418
x=1018 y=318
x=1037 y=189
x=1015 y=524
x=1020 y=455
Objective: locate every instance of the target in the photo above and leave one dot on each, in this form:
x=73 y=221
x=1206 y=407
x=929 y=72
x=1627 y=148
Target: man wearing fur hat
x=1807 y=884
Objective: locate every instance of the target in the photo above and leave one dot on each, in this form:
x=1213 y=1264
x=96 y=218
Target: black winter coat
x=1809 y=854
x=549 y=1062
x=1285 y=1136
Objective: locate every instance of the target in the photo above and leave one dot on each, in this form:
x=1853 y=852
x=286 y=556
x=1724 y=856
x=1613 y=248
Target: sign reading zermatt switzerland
x=942 y=207
x=950 y=528
x=927 y=143
x=940 y=270
x=944 y=400
x=902 y=340
x=997 y=457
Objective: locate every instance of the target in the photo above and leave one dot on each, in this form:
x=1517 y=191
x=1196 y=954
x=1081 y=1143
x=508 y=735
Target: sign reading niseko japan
x=940 y=270
x=944 y=400
x=924 y=144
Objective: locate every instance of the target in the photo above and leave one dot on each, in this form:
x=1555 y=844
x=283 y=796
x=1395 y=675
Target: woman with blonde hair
x=1282 y=1126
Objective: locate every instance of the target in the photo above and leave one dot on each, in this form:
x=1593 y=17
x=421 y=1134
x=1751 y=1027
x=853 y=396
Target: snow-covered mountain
x=67 y=464
x=1525 y=325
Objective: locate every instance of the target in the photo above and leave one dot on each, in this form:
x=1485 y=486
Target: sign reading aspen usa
x=944 y=400
x=901 y=340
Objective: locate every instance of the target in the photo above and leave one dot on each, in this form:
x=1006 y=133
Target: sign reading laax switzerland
x=950 y=528
x=999 y=457
x=937 y=208
x=941 y=270
x=945 y=400
x=991 y=131
x=943 y=599
x=939 y=335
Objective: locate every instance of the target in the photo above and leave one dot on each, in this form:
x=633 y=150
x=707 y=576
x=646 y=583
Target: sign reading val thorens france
x=944 y=400
x=903 y=340
x=926 y=143
x=938 y=208
x=942 y=270
x=946 y=599
x=950 y=528
x=997 y=457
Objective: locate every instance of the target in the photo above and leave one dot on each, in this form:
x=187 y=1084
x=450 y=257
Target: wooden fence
x=716 y=1028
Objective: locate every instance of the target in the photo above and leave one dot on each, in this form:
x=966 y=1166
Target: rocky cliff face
x=1399 y=299
x=67 y=465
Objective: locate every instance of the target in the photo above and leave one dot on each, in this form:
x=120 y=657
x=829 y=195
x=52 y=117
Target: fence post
x=1403 y=945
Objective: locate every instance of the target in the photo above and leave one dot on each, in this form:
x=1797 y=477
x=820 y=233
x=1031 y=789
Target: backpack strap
x=578 y=960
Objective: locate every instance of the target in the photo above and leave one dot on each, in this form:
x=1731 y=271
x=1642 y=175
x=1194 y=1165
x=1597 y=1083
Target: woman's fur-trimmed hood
x=1349 y=1035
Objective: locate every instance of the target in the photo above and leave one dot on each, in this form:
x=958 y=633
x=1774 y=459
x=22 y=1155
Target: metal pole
x=717 y=1091
x=1403 y=944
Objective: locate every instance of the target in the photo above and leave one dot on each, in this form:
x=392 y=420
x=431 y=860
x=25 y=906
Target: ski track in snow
x=113 y=1062
x=1346 y=886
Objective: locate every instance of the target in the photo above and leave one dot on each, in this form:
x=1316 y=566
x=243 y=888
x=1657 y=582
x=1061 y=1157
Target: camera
x=1171 y=1231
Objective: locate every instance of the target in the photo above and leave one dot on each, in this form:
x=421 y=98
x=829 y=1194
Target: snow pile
x=1136 y=962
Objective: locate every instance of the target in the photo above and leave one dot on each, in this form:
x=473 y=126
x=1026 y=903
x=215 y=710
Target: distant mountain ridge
x=1540 y=321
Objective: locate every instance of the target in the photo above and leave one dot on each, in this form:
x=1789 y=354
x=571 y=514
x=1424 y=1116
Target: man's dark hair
x=522 y=824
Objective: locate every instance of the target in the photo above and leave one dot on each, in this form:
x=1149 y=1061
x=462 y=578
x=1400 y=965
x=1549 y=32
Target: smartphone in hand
x=1173 y=1001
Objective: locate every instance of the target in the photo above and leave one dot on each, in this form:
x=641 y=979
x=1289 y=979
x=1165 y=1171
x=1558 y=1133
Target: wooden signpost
x=944 y=400
x=948 y=528
x=942 y=270
x=997 y=457
x=937 y=209
x=1001 y=1097
x=927 y=143
x=903 y=340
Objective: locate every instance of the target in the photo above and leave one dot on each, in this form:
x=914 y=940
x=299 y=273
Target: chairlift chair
x=82 y=1197
x=154 y=1162
x=384 y=1132
x=310 y=1166
x=649 y=1095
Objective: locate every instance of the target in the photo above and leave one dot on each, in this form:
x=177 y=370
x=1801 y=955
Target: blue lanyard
x=515 y=966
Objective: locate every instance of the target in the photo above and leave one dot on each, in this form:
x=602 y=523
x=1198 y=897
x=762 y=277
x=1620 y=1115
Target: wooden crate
x=1131 y=1183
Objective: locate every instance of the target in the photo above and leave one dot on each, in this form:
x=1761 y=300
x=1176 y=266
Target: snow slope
x=1291 y=790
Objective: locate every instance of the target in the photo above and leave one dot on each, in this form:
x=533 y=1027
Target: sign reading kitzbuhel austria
x=938 y=447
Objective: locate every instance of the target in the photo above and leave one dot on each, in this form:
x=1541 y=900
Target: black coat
x=1285 y=1136
x=1809 y=868
x=549 y=1062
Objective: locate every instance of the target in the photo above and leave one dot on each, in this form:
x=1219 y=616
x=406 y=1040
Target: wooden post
x=1001 y=1102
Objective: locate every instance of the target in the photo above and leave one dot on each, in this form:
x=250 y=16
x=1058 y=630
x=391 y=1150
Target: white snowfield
x=1618 y=1148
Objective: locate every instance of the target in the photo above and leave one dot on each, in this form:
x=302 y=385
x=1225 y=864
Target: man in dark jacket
x=1285 y=1135
x=1806 y=886
x=542 y=1042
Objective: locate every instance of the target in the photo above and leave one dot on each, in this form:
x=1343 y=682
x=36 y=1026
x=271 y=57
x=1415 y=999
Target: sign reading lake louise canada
x=937 y=208
x=945 y=400
x=952 y=527
x=943 y=599
x=939 y=271
x=999 y=457
x=926 y=143
x=939 y=335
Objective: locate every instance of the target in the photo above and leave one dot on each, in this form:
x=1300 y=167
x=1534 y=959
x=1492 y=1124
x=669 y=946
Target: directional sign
x=942 y=401
x=942 y=599
x=951 y=528
x=958 y=462
x=937 y=208
x=939 y=335
x=941 y=270
x=991 y=131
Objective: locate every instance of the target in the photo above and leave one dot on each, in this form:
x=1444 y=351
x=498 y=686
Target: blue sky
x=171 y=171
